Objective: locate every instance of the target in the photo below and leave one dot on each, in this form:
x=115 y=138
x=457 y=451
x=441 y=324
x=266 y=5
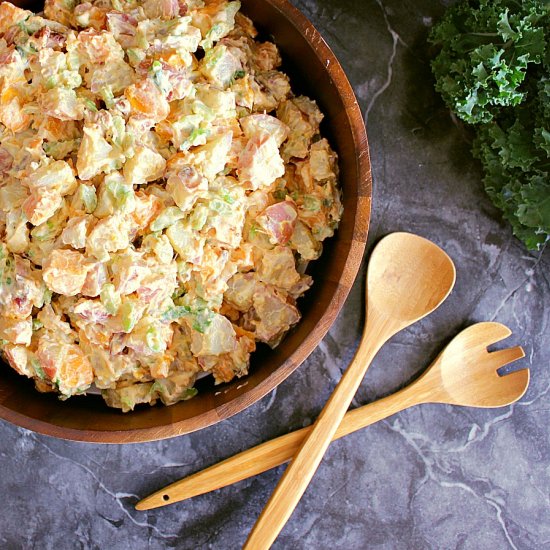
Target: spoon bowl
x=418 y=278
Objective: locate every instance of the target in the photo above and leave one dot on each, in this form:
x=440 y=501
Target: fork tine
x=493 y=332
x=517 y=383
x=503 y=357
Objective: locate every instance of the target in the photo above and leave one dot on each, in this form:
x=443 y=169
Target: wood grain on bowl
x=314 y=71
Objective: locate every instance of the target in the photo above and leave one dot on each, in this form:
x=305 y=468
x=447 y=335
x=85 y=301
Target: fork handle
x=275 y=452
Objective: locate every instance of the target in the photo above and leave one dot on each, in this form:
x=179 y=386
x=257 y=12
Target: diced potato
x=96 y=155
x=16 y=331
x=260 y=163
x=109 y=235
x=277 y=267
x=220 y=66
x=17 y=232
x=253 y=125
x=76 y=231
x=146 y=165
x=215 y=338
x=61 y=103
x=56 y=177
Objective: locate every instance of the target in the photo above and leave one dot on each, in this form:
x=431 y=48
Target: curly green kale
x=493 y=71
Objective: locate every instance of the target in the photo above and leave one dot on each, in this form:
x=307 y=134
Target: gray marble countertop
x=431 y=477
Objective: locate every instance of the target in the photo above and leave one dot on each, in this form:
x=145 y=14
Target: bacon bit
x=49 y=39
x=6 y=160
x=9 y=56
x=11 y=34
x=183 y=8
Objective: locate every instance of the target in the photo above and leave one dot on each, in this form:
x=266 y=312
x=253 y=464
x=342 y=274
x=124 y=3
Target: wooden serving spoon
x=464 y=373
x=407 y=278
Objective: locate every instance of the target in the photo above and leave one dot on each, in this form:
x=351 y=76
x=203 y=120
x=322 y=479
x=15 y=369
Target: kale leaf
x=493 y=71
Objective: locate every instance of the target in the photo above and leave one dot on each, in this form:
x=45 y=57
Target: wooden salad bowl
x=314 y=71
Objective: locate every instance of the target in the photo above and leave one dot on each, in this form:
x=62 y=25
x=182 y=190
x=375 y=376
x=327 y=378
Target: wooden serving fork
x=465 y=373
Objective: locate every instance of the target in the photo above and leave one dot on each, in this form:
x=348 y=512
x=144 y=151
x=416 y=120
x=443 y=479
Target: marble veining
x=434 y=476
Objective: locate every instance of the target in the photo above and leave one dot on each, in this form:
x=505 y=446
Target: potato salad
x=162 y=191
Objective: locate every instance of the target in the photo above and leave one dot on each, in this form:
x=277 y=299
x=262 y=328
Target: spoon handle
x=275 y=452
x=297 y=476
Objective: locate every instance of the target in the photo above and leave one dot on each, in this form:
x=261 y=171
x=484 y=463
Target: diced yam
x=218 y=337
x=258 y=123
x=279 y=220
x=64 y=364
x=64 y=272
x=146 y=165
x=147 y=100
x=260 y=163
x=277 y=267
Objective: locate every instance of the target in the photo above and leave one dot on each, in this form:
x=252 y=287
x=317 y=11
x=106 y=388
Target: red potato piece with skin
x=279 y=221
x=95 y=279
x=260 y=163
